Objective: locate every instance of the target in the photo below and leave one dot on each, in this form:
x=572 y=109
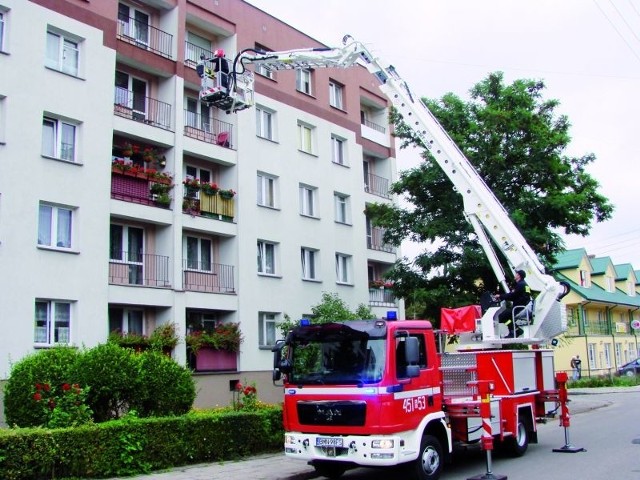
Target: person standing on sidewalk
x=576 y=366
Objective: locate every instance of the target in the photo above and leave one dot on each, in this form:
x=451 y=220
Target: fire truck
x=383 y=392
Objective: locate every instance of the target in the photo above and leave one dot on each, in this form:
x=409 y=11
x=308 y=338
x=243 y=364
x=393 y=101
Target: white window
x=591 y=352
x=607 y=355
x=618 y=348
x=63 y=53
x=58 y=139
x=337 y=150
x=266 y=190
x=126 y=246
x=3 y=118
x=55 y=226
x=131 y=93
x=266 y=257
x=268 y=328
x=198 y=253
x=52 y=322
x=335 y=95
x=196 y=46
x=133 y=23
x=343 y=267
x=609 y=283
x=262 y=69
x=342 y=208
x=303 y=81
x=3 y=17
x=308 y=259
x=631 y=290
x=264 y=123
x=126 y=320
x=585 y=279
x=305 y=137
x=307 y=200
x=201 y=174
x=198 y=115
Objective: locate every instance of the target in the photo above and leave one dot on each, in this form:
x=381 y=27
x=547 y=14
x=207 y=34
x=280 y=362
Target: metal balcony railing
x=375 y=240
x=374 y=126
x=208 y=277
x=381 y=297
x=192 y=54
x=142 y=109
x=208 y=130
x=132 y=268
x=377 y=185
x=145 y=36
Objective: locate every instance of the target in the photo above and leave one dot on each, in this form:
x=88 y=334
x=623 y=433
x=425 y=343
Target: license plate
x=328 y=442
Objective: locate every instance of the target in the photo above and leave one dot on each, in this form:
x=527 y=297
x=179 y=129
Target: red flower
x=239 y=387
x=52 y=404
x=66 y=386
x=46 y=387
x=38 y=387
x=37 y=397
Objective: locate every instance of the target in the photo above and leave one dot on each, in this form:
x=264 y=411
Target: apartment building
x=602 y=306
x=102 y=136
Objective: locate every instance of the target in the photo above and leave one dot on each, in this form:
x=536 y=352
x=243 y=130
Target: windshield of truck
x=341 y=357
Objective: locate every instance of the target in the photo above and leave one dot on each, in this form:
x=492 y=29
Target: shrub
x=112 y=375
x=165 y=388
x=52 y=367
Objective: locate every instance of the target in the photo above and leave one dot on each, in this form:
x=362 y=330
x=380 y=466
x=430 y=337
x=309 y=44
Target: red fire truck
x=380 y=392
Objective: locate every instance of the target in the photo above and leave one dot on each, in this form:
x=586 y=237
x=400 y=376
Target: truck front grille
x=339 y=413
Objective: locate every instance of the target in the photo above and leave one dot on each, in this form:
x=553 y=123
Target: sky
x=587 y=52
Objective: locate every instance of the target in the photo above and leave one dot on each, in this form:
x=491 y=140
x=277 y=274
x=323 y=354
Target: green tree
x=514 y=139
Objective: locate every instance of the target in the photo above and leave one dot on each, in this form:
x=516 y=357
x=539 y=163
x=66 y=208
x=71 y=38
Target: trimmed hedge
x=134 y=446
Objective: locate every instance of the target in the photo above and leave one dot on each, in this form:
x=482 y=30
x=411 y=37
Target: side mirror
x=412 y=353
x=280 y=365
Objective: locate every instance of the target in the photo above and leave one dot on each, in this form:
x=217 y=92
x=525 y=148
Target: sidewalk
x=276 y=467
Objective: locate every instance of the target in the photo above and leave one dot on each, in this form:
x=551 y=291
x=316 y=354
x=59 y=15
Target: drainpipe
x=609 y=311
x=584 y=331
x=635 y=334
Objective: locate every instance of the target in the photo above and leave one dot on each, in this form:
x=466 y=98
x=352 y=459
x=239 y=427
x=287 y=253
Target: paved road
x=277 y=467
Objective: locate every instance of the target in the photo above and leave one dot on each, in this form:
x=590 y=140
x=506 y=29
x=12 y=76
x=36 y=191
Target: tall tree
x=517 y=143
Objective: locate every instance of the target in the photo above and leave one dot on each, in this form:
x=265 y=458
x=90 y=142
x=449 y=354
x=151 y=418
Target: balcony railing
x=145 y=36
x=375 y=240
x=381 y=297
x=208 y=130
x=142 y=109
x=208 y=277
x=192 y=54
x=374 y=126
x=135 y=187
x=145 y=269
x=377 y=185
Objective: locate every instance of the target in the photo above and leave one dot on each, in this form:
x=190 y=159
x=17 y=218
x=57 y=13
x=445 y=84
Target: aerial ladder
x=545 y=317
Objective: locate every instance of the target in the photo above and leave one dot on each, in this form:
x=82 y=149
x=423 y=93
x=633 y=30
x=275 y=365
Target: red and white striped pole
x=561 y=380
x=484 y=391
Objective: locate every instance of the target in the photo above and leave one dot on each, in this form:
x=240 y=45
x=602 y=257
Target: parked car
x=630 y=369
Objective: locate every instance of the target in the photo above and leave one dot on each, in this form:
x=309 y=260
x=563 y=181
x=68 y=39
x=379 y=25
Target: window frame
x=54 y=227
x=342 y=203
x=203 y=253
x=304 y=81
x=58 y=126
x=338 y=150
x=267 y=267
x=308 y=198
x=261 y=69
x=343 y=269
x=52 y=333
x=129 y=316
x=267 y=326
x=265 y=123
x=309 y=263
x=66 y=43
x=336 y=95
x=264 y=181
x=3 y=28
x=306 y=138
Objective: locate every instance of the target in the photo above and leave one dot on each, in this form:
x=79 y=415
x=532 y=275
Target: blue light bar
x=305 y=322
x=392 y=315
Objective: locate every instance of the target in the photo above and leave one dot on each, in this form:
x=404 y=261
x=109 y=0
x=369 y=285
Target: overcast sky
x=586 y=51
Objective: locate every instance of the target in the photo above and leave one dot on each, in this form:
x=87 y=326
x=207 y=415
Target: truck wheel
x=329 y=469
x=517 y=445
x=428 y=465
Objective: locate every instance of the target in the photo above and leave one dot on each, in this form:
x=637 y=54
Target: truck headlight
x=384 y=443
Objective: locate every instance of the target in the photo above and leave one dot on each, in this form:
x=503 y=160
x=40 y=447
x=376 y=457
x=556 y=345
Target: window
x=585 y=280
x=307 y=200
x=305 y=137
x=126 y=320
x=3 y=19
x=62 y=53
x=610 y=284
x=266 y=190
x=337 y=150
x=262 y=69
x=268 y=323
x=198 y=115
x=126 y=246
x=198 y=253
x=308 y=259
x=303 y=81
x=266 y=258
x=133 y=23
x=607 y=355
x=618 y=350
x=264 y=123
x=335 y=94
x=192 y=172
x=54 y=226
x=591 y=353
x=342 y=208
x=3 y=118
x=343 y=274
x=131 y=93
x=52 y=322
x=194 y=47
x=58 y=139
x=631 y=290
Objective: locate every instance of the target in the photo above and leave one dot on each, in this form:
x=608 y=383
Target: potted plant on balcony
x=127 y=150
x=209 y=188
x=164 y=338
x=137 y=341
x=191 y=186
x=215 y=349
x=227 y=194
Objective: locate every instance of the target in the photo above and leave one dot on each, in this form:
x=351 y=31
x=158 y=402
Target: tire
x=630 y=373
x=428 y=465
x=329 y=469
x=517 y=445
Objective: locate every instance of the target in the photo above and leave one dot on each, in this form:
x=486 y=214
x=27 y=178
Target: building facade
x=602 y=309
x=102 y=138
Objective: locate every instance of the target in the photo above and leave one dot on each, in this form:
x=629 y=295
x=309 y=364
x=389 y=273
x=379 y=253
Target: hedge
x=132 y=446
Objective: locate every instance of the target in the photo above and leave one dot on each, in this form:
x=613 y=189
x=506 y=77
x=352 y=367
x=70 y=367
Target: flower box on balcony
x=210 y=359
x=216 y=205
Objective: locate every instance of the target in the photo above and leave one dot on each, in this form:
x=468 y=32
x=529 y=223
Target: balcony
x=374 y=126
x=377 y=185
x=144 y=269
x=207 y=130
x=375 y=240
x=134 y=184
x=217 y=204
x=136 y=107
x=381 y=297
x=144 y=36
x=208 y=277
x=192 y=54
